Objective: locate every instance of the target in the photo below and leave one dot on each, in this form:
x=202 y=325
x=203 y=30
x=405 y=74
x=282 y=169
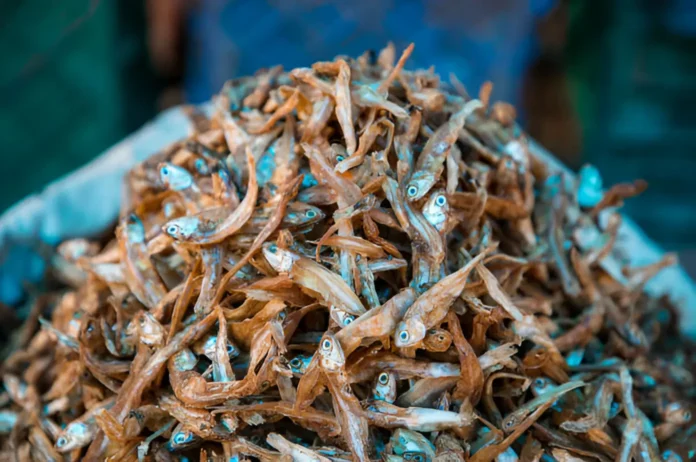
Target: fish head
x=331 y=355
x=75 y=435
x=182 y=228
x=436 y=209
x=410 y=443
x=150 y=330
x=542 y=385
x=299 y=364
x=342 y=318
x=181 y=439
x=280 y=260
x=184 y=360
x=201 y=166
x=437 y=340
x=299 y=214
x=511 y=421
x=409 y=332
x=384 y=388
x=677 y=413
x=419 y=185
x=206 y=346
x=174 y=177
x=135 y=230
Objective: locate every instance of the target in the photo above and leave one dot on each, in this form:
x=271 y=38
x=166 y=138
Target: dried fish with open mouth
x=350 y=262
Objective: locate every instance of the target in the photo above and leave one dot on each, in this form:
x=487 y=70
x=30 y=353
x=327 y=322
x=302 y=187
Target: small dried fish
x=401 y=280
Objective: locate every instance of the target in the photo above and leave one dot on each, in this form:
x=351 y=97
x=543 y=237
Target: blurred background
x=608 y=82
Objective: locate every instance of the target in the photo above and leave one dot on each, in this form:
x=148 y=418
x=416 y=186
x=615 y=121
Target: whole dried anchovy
x=352 y=262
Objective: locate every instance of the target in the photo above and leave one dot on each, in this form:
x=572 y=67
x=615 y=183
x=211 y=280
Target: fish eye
x=339 y=158
x=230 y=349
x=62 y=441
x=164 y=171
x=265 y=384
x=326 y=344
x=172 y=229
x=440 y=201
x=273 y=248
x=383 y=378
x=412 y=191
x=311 y=214
x=403 y=335
x=295 y=362
x=200 y=165
x=539 y=382
x=281 y=315
x=348 y=319
x=441 y=338
x=509 y=423
x=180 y=438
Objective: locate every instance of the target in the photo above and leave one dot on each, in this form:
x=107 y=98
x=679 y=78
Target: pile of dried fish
x=352 y=261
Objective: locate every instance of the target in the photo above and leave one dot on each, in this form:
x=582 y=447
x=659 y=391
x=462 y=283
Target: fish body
x=431 y=160
x=512 y=420
x=80 y=432
x=324 y=284
x=140 y=274
x=432 y=307
x=214 y=225
x=418 y=419
x=354 y=428
x=297 y=215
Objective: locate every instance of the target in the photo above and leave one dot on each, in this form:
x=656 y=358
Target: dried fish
x=401 y=280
